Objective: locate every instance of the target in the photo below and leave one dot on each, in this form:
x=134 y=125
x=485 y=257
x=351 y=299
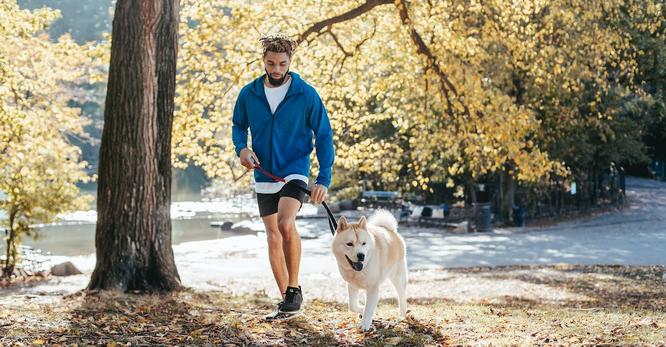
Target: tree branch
x=317 y=28
x=337 y=42
x=423 y=49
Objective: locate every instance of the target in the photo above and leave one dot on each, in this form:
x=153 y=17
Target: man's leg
x=291 y=242
x=275 y=252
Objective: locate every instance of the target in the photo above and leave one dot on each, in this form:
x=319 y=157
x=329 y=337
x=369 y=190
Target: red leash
x=263 y=171
x=332 y=223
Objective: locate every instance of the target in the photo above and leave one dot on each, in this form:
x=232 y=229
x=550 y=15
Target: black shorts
x=268 y=203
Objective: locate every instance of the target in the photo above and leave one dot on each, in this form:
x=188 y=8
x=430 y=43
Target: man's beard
x=276 y=82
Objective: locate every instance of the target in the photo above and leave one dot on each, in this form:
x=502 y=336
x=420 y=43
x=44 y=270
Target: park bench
x=436 y=216
x=380 y=199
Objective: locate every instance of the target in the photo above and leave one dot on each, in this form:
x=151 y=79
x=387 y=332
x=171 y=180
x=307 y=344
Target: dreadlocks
x=278 y=43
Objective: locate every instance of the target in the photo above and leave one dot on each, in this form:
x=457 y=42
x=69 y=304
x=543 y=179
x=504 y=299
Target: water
x=74 y=234
x=79 y=239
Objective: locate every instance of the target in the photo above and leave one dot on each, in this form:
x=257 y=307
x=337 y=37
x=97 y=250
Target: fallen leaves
x=213 y=318
x=392 y=341
x=648 y=322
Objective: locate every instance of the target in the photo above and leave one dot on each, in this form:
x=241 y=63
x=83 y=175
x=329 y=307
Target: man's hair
x=278 y=43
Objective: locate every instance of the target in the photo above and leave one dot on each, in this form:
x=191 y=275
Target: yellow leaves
x=454 y=169
x=483 y=48
x=39 y=167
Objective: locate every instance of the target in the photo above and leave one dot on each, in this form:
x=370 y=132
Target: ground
x=537 y=305
x=511 y=286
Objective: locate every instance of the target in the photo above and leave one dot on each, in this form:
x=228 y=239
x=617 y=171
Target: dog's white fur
x=385 y=257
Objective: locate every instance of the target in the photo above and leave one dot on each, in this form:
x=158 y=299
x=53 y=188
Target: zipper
x=273 y=123
x=270 y=138
x=270 y=142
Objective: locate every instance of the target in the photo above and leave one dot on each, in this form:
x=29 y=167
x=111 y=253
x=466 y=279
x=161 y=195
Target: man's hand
x=318 y=194
x=245 y=155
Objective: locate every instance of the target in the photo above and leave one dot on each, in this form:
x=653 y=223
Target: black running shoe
x=278 y=315
x=292 y=301
x=273 y=315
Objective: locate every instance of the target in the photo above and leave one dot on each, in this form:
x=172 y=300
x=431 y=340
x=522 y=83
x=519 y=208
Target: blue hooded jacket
x=283 y=141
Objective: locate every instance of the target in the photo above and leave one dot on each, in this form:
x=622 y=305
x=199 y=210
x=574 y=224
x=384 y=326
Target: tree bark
x=470 y=198
x=133 y=233
x=508 y=191
x=10 y=260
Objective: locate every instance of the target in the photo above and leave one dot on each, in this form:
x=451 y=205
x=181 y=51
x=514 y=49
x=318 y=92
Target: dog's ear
x=361 y=222
x=342 y=224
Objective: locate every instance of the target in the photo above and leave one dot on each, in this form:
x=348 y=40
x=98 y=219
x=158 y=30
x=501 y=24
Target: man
x=283 y=114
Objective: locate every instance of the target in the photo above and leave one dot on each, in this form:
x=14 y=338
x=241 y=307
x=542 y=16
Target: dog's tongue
x=358 y=266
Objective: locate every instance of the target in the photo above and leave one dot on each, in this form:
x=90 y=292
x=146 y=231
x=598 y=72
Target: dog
x=367 y=253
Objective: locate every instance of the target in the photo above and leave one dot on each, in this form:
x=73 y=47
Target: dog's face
x=353 y=244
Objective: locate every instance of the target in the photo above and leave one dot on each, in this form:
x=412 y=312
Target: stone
x=65 y=269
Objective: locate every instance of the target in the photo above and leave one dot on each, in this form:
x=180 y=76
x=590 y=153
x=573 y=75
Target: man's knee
x=274 y=238
x=286 y=227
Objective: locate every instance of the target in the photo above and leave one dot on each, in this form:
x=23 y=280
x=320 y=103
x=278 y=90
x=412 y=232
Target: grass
x=614 y=305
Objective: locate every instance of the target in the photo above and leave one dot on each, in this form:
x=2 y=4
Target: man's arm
x=239 y=133
x=240 y=125
x=323 y=141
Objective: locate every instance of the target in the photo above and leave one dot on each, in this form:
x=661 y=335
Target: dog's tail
x=384 y=219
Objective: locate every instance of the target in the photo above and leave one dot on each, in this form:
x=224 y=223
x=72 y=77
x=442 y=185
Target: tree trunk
x=8 y=266
x=10 y=260
x=133 y=233
x=508 y=191
x=470 y=198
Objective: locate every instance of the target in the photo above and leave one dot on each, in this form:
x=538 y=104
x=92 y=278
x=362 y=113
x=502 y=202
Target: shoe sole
x=284 y=316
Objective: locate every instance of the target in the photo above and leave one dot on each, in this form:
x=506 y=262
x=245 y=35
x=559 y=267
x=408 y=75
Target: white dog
x=367 y=253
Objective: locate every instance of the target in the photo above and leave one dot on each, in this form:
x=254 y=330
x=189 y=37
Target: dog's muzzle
x=358 y=266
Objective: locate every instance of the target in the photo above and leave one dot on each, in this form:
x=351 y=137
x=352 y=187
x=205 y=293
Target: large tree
x=133 y=235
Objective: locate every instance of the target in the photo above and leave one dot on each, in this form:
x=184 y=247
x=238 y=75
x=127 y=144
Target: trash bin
x=482 y=216
x=427 y=212
x=518 y=216
x=657 y=169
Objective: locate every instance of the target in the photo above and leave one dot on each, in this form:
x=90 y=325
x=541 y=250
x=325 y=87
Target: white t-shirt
x=275 y=96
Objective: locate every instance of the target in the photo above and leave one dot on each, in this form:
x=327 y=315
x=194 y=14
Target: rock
x=226 y=226
x=65 y=269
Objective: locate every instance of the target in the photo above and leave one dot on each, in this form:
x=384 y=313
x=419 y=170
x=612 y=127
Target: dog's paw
x=356 y=309
x=365 y=326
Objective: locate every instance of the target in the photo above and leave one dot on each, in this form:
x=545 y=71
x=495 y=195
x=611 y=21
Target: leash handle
x=263 y=171
x=332 y=223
